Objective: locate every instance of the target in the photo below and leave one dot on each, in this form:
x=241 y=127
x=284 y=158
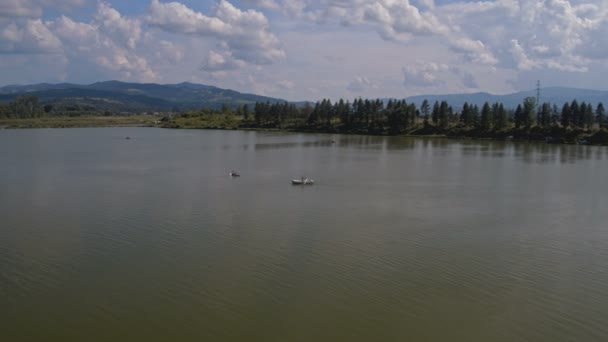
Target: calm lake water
x=400 y=239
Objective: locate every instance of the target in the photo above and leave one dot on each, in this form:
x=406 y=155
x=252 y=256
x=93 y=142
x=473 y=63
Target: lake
x=400 y=239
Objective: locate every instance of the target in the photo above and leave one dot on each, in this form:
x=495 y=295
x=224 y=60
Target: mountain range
x=119 y=96
x=133 y=97
x=553 y=95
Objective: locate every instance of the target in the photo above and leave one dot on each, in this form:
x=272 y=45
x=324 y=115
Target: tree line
x=399 y=116
x=28 y=107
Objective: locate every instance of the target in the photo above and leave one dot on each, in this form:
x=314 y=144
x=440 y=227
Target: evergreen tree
x=600 y=114
x=544 y=117
x=486 y=117
x=519 y=116
x=529 y=111
x=425 y=108
x=246 y=111
x=443 y=114
x=500 y=118
x=435 y=114
x=575 y=113
x=565 y=117
x=588 y=119
x=474 y=115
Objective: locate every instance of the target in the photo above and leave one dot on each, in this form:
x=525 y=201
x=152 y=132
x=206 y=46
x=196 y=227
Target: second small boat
x=302 y=181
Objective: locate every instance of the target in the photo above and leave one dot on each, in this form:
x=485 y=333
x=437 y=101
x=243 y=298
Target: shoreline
x=152 y=122
x=79 y=122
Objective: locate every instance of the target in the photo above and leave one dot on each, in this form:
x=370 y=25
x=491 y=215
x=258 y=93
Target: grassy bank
x=232 y=122
x=79 y=121
x=554 y=134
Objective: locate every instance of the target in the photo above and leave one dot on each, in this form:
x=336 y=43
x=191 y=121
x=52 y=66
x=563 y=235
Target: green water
x=149 y=239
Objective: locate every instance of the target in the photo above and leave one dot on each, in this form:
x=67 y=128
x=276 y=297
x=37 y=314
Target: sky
x=309 y=49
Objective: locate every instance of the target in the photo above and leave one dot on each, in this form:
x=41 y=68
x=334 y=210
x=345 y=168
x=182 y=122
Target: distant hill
x=133 y=97
x=116 y=96
x=553 y=95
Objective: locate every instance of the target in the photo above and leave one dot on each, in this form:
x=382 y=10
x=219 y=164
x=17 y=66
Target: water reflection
x=528 y=152
x=152 y=239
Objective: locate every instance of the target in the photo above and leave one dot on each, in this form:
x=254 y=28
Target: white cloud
x=123 y=31
x=216 y=61
x=109 y=43
x=245 y=34
x=326 y=45
x=550 y=34
x=33 y=8
x=523 y=61
x=28 y=36
x=360 y=84
x=424 y=75
x=19 y=8
x=168 y=51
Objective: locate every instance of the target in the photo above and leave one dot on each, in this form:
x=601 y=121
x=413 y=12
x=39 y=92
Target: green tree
x=575 y=113
x=587 y=116
x=529 y=111
x=425 y=108
x=565 y=117
x=435 y=113
x=443 y=114
x=600 y=114
x=519 y=116
x=486 y=117
x=544 y=117
x=246 y=112
x=500 y=116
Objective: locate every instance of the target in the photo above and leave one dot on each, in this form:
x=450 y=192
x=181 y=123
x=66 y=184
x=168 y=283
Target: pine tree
x=486 y=117
x=443 y=114
x=519 y=116
x=529 y=110
x=575 y=113
x=600 y=114
x=435 y=114
x=565 y=117
x=425 y=108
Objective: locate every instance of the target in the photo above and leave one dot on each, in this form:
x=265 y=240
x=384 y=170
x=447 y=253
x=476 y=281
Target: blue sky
x=309 y=49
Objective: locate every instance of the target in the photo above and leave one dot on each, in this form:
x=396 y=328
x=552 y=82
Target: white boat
x=302 y=181
x=234 y=174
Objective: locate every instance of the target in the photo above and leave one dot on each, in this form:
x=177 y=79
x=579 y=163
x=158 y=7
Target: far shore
x=601 y=138
x=80 y=122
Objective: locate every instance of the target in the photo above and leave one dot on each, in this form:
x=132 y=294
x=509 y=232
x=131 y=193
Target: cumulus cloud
x=424 y=74
x=504 y=37
x=122 y=30
x=33 y=8
x=216 y=61
x=167 y=51
x=108 y=42
x=399 y=17
x=29 y=36
x=550 y=34
x=245 y=34
x=360 y=84
x=519 y=54
x=19 y=8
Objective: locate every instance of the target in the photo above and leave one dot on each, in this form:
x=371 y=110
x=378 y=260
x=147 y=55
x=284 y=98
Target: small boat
x=127 y=138
x=234 y=174
x=302 y=181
